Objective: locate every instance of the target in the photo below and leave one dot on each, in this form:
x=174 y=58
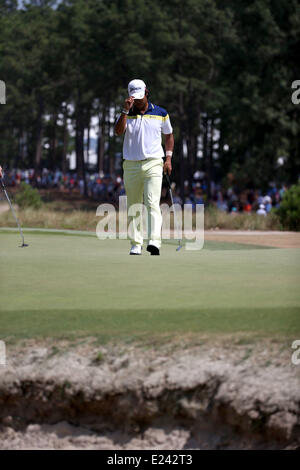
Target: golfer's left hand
x=1 y=172
x=168 y=166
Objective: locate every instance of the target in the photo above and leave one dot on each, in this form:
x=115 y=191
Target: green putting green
x=73 y=284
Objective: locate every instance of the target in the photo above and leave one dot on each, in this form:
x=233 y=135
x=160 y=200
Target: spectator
x=261 y=210
x=109 y=187
x=247 y=207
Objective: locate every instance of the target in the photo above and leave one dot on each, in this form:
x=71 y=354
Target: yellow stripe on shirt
x=150 y=116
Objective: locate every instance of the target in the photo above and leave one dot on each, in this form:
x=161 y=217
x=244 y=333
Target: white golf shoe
x=135 y=250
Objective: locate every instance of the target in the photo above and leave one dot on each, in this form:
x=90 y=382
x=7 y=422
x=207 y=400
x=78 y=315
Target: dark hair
x=147 y=92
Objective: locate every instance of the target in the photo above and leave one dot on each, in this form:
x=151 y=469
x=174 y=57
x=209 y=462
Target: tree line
x=222 y=68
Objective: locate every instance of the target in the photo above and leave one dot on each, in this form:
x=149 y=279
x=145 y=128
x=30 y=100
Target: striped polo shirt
x=143 y=133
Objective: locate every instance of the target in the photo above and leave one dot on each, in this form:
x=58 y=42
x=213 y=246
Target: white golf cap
x=136 y=88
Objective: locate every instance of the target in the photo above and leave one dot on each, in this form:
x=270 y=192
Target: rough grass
x=53 y=216
x=50 y=218
x=214 y=218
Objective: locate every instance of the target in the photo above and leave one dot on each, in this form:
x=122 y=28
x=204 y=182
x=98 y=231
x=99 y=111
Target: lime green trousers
x=143 y=180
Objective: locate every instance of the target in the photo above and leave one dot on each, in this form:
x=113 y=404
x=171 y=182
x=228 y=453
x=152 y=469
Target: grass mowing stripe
x=46 y=231
x=120 y=323
x=208 y=244
x=221 y=245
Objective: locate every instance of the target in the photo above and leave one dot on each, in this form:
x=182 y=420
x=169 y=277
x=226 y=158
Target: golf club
x=12 y=209
x=171 y=196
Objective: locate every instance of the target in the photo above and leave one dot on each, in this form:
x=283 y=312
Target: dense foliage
x=289 y=210
x=28 y=197
x=222 y=68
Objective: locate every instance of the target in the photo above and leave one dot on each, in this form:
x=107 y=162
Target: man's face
x=140 y=104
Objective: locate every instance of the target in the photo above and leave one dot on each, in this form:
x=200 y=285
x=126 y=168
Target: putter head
x=24 y=244
x=179 y=247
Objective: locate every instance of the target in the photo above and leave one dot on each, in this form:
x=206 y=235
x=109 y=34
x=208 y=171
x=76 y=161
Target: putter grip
x=168 y=180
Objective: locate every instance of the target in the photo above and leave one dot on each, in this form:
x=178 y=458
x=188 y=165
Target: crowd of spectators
x=107 y=188
x=100 y=187
x=233 y=199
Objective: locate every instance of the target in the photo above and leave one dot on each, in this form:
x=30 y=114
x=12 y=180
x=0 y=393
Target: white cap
x=136 y=88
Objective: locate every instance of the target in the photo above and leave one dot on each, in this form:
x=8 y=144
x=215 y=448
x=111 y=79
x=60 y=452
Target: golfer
x=143 y=165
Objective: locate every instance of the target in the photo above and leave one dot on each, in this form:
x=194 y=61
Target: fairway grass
x=72 y=285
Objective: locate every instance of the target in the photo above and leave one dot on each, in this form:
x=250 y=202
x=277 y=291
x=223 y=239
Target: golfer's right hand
x=1 y=172
x=128 y=103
